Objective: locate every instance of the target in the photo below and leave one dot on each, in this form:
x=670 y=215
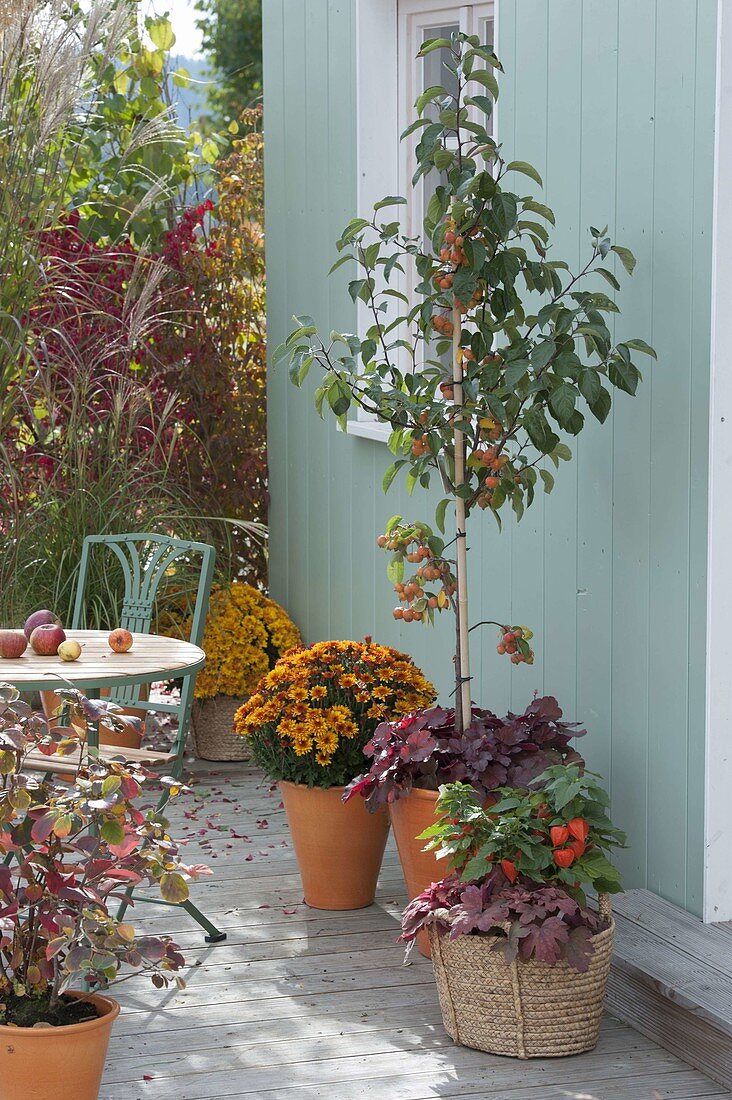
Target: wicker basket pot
x=520 y=1009
x=212 y=727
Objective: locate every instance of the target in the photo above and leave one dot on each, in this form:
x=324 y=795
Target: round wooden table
x=151 y=658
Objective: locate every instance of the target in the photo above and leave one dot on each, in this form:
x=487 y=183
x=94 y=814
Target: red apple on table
x=39 y=618
x=13 y=643
x=120 y=640
x=46 y=639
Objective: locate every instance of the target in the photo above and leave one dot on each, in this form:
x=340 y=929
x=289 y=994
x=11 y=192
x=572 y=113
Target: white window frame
x=389 y=33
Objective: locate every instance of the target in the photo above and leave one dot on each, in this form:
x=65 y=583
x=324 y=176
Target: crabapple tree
x=490 y=363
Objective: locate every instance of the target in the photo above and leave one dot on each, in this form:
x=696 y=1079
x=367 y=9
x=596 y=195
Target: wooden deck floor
x=299 y=1004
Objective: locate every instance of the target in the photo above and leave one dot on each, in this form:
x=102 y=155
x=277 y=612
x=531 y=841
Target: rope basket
x=524 y=1009
x=212 y=727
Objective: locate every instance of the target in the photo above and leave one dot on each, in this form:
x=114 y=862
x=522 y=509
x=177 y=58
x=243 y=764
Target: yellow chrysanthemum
x=295 y=724
x=243 y=629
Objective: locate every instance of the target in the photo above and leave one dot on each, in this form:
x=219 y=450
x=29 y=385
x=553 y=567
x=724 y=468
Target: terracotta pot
x=410 y=816
x=55 y=1063
x=128 y=738
x=339 y=846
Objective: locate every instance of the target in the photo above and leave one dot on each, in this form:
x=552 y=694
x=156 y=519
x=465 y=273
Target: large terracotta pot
x=410 y=816
x=339 y=846
x=57 y=1063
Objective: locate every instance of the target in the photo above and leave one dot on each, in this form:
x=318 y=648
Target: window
x=389 y=79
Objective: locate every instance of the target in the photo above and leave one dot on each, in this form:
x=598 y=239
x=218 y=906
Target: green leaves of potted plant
x=520 y=958
x=412 y=757
x=307 y=725
x=69 y=852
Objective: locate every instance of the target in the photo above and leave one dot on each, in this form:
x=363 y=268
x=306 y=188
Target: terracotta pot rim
x=304 y=786
x=99 y=1000
x=421 y=792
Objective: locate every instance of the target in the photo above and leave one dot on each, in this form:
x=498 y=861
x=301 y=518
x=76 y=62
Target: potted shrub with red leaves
x=68 y=853
x=520 y=957
x=413 y=757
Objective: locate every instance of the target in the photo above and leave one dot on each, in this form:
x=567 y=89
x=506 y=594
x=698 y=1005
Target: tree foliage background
x=232 y=42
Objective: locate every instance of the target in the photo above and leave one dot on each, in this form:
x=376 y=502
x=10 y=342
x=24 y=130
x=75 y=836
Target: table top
x=152 y=657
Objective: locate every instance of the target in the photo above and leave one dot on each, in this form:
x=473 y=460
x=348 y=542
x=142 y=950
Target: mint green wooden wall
x=613 y=100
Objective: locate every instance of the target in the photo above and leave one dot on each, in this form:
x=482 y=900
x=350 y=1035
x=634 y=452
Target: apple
x=46 y=639
x=39 y=618
x=120 y=640
x=69 y=650
x=13 y=643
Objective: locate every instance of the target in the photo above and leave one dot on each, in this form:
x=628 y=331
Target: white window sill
x=369 y=429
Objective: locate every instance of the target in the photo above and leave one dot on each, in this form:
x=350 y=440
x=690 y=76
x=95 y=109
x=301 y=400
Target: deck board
x=299 y=1004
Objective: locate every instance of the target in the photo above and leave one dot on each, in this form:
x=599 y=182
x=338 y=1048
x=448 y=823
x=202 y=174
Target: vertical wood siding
x=613 y=100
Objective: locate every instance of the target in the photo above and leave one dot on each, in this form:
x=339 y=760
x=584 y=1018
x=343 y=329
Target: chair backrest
x=145 y=558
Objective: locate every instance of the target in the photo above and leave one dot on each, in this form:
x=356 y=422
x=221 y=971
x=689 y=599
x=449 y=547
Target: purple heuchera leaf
x=426 y=750
x=528 y=919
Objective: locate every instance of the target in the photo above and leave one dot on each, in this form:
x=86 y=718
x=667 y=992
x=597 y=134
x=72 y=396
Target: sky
x=183 y=16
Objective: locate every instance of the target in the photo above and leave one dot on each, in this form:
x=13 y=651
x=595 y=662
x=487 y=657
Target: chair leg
x=214 y=934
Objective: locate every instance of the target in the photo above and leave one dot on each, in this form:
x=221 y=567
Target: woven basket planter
x=520 y=1009
x=212 y=727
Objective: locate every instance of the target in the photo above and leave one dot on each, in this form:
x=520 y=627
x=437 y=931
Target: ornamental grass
x=314 y=712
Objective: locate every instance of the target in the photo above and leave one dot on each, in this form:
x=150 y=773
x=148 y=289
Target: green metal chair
x=145 y=558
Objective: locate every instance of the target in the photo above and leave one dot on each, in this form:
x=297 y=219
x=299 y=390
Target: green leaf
x=566 y=793
x=562 y=401
x=174 y=888
x=503 y=207
x=548 y=480
x=390 y=200
x=514 y=372
x=339 y=262
x=112 y=831
x=540 y=209
x=539 y=432
x=526 y=169
x=600 y=406
x=434 y=44
x=427 y=96
x=210 y=151
x=642 y=346
x=608 y=277
x=161 y=33
x=487 y=79
x=391 y=473
x=440 y=514
x=562 y=451
x=542 y=354
x=623 y=375
x=625 y=256
x=395 y=570
x=483 y=102
x=304 y=369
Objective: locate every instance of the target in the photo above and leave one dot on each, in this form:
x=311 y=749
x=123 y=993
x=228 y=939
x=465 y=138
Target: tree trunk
x=462 y=662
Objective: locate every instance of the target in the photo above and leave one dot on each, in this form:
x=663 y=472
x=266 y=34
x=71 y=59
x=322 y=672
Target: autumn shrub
x=213 y=353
